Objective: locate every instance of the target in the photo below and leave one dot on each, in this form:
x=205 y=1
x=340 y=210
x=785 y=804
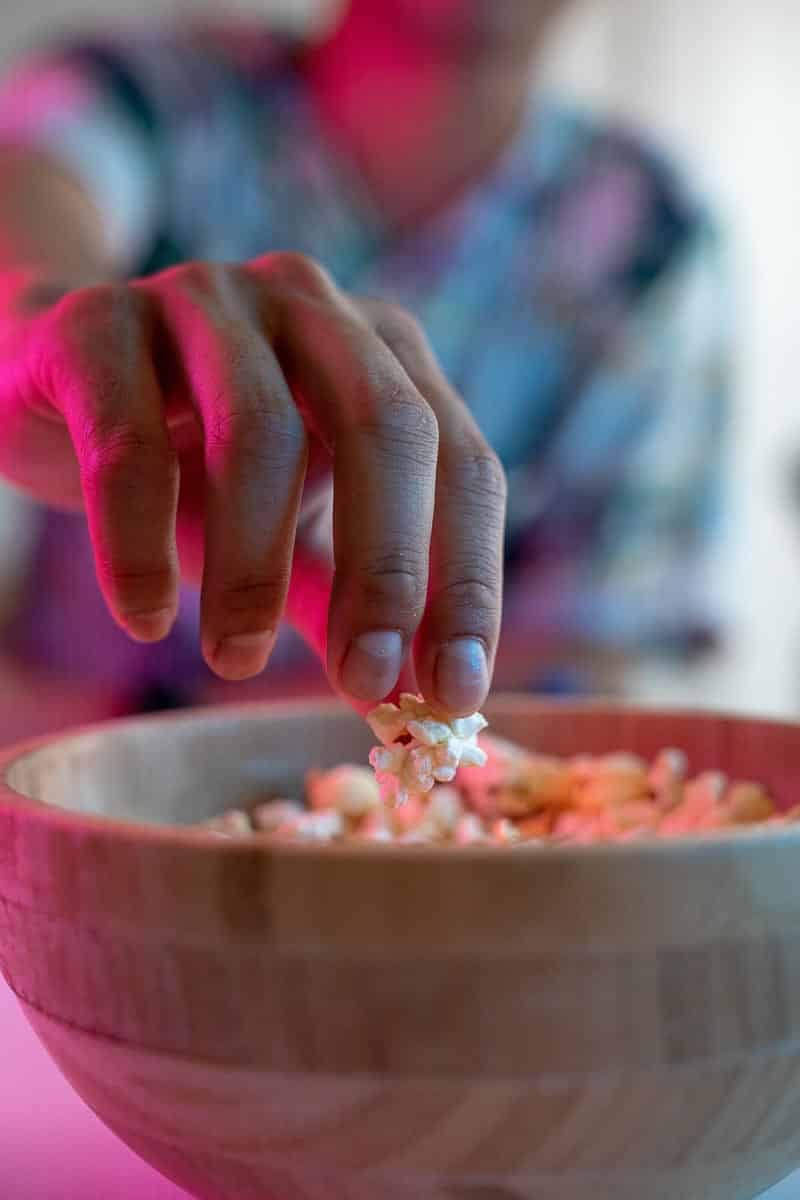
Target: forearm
x=51 y=234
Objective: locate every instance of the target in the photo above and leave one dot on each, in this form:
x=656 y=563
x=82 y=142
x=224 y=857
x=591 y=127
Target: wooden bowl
x=403 y=1023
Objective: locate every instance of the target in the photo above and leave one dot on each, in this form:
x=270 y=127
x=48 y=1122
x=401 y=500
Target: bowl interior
x=181 y=770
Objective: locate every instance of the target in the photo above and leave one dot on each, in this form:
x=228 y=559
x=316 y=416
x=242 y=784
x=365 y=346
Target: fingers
x=384 y=489
x=96 y=370
x=265 y=356
x=384 y=438
x=255 y=456
x=455 y=650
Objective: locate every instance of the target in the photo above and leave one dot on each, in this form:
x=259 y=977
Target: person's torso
x=523 y=283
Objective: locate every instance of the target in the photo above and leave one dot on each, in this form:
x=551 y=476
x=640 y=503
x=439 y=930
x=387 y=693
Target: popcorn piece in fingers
x=420 y=747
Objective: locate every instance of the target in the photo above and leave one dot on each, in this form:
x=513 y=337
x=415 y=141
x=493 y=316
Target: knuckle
x=136 y=582
x=105 y=304
x=123 y=452
x=91 y=325
x=395 y=582
x=203 y=299
x=291 y=271
x=476 y=471
x=398 y=326
x=90 y=340
x=254 y=430
x=195 y=277
x=474 y=597
x=253 y=593
x=399 y=416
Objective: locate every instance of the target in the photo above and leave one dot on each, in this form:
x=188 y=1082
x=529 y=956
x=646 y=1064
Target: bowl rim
x=194 y=839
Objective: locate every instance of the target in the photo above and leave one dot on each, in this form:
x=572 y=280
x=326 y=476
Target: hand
x=187 y=409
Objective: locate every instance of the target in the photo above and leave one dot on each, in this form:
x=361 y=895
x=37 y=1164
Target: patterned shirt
x=572 y=294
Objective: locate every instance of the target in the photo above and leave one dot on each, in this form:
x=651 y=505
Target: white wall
x=718 y=79
x=21 y=20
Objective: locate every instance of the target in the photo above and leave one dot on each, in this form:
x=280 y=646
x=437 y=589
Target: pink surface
x=52 y=1147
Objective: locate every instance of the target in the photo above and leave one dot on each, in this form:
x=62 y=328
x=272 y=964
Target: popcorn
x=535 y=782
x=233 y=823
x=419 y=749
x=469 y=829
x=404 y=817
x=276 y=815
x=468 y=754
x=445 y=809
x=638 y=815
x=700 y=806
x=445 y=764
x=468 y=727
x=387 y=722
x=667 y=776
x=418 y=770
x=375 y=827
x=429 y=732
x=612 y=780
x=387 y=761
x=413 y=706
x=425 y=788
x=503 y=832
x=747 y=803
x=535 y=829
x=381 y=834
x=352 y=791
x=416 y=836
x=321 y=826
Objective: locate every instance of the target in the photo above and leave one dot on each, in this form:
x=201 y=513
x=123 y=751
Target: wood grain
x=383 y=1023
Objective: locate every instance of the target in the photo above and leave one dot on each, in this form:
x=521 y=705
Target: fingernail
x=461 y=675
x=372 y=664
x=242 y=654
x=151 y=626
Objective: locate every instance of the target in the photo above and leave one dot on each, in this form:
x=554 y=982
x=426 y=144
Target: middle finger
x=255 y=451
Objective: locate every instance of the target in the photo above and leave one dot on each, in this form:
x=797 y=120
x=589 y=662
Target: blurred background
x=717 y=82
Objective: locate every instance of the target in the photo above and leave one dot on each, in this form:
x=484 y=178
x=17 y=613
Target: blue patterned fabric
x=573 y=295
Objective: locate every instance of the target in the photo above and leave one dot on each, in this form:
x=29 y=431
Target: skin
x=183 y=412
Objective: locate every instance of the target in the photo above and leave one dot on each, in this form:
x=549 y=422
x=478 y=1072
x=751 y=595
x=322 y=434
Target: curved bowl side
x=725 y=1132
x=507 y=1024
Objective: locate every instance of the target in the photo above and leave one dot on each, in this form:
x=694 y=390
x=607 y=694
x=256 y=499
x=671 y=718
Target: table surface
x=52 y=1147
x=43 y=1126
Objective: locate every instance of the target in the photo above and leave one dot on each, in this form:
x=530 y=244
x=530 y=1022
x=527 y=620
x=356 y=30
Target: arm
x=51 y=243
x=50 y=229
x=127 y=398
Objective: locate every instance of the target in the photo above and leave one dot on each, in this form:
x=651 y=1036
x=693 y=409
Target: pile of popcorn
x=433 y=783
